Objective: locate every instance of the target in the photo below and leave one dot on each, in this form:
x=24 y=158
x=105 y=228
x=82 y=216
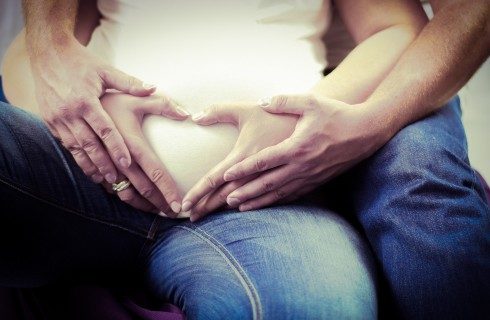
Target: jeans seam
x=150 y=236
x=235 y=266
x=22 y=190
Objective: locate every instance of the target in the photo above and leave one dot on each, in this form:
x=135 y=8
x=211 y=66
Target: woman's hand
x=258 y=130
x=330 y=137
x=147 y=174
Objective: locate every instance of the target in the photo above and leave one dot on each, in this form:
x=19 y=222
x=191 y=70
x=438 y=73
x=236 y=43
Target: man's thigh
x=425 y=214
x=296 y=262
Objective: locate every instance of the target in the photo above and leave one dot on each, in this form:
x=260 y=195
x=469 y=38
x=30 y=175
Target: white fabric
x=201 y=52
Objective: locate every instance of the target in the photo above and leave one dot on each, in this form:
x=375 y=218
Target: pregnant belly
x=187 y=150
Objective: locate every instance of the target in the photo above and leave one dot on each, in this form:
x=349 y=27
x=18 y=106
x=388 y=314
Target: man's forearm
x=437 y=64
x=49 y=24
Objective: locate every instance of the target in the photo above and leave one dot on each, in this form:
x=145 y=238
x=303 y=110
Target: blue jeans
x=288 y=262
x=425 y=214
x=417 y=200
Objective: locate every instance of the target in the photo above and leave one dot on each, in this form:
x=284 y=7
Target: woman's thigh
x=53 y=220
x=293 y=261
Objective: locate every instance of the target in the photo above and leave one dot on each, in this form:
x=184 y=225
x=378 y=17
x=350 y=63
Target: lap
x=425 y=214
x=53 y=220
x=293 y=261
x=35 y=163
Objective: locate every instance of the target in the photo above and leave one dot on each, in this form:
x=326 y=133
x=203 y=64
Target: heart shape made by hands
x=188 y=150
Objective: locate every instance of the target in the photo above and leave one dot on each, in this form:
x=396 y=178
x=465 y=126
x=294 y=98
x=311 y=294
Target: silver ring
x=120 y=186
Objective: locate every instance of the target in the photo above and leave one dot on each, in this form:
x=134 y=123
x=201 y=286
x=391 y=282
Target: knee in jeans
x=414 y=154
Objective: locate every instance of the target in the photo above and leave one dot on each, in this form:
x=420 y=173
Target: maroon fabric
x=81 y=303
x=485 y=186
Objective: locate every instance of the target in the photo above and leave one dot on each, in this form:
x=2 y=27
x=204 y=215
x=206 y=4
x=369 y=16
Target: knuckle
x=90 y=171
x=280 y=101
x=137 y=153
x=148 y=192
x=279 y=194
x=74 y=148
x=127 y=196
x=268 y=186
x=63 y=112
x=131 y=81
x=222 y=196
x=211 y=182
x=106 y=133
x=156 y=175
x=89 y=144
x=299 y=151
x=311 y=101
x=164 y=101
x=81 y=107
x=260 y=164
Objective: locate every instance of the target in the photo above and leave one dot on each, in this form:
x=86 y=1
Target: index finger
x=105 y=128
x=210 y=182
x=263 y=160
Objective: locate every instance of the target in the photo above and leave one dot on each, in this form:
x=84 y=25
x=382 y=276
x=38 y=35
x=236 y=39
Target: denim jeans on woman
x=417 y=200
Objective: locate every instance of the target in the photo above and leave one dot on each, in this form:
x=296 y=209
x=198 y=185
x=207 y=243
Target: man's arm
x=69 y=81
x=49 y=24
x=436 y=65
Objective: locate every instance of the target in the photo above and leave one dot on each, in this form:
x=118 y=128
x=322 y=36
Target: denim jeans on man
x=417 y=200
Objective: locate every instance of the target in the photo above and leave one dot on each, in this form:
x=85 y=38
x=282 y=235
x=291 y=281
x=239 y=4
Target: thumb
x=115 y=79
x=218 y=113
x=292 y=104
x=161 y=105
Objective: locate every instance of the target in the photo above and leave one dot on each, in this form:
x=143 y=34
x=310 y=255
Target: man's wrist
x=42 y=45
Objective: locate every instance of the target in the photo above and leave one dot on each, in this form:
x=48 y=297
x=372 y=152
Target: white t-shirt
x=200 y=52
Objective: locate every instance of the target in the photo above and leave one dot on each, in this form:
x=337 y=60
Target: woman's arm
x=383 y=29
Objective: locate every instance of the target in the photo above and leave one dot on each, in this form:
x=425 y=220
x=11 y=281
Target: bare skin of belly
x=179 y=145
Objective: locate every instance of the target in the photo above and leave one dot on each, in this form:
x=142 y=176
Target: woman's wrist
x=381 y=121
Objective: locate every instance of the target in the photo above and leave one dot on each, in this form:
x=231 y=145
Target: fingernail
x=111 y=178
x=185 y=214
x=162 y=214
x=232 y=202
x=182 y=111
x=149 y=86
x=124 y=162
x=198 y=116
x=193 y=218
x=229 y=176
x=97 y=178
x=175 y=206
x=186 y=206
x=245 y=208
x=264 y=102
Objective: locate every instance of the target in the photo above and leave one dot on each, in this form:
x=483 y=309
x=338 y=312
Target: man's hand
x=258 y=130
x=151 y=183
x=330 y=137
x=69 y=81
